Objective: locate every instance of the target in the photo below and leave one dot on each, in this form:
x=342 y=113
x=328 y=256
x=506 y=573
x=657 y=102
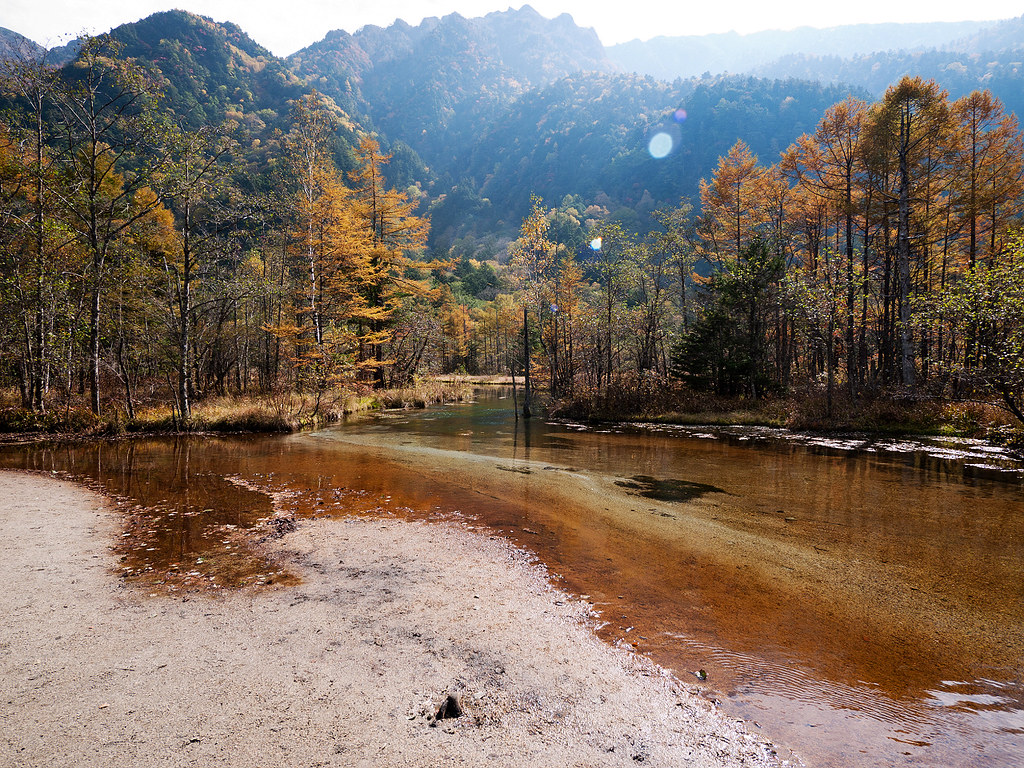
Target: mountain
x=481 y=113
x=588 y=134
x=1007 y=35
x=16 y=46
x=670 y=57
x=13 y=45
x=437 y=86
x=211 y=69
x=511 y=104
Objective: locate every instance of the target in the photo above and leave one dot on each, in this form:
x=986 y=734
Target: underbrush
x=652 y=398
x=20 y=420
x=646 y=397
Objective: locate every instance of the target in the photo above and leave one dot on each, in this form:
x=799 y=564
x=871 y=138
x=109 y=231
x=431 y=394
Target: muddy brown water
x=862 y=603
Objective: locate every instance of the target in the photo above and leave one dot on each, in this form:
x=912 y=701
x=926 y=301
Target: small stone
x=449 y=708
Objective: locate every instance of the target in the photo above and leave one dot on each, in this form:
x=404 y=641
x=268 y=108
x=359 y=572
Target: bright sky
x=285 y=26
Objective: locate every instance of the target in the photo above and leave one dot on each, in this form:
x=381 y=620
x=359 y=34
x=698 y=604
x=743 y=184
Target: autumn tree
x=108 y=116
x=33 y=82
x=829 y=166
x=332 y=250
x=196 y=180
x=988 y=164
x=731 y=204
x=396 y=237
x=909 y=124
x=532 y=260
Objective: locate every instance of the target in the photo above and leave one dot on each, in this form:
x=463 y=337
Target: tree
x=331 y=249
x=910 y=122
x=195 y=178
x=988 y=163
x=532 y=260
x=731 y=203
x=34 y=83
x=830 y=166
x=679 y=239
x=725 y=349
x=617 y=254
x=990 y=296
x=396 y=237
x=108 y=114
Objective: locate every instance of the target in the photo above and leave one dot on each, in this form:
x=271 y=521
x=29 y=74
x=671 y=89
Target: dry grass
x=425 y=393
x=280 y=411
x=650 y=397
x=654 y=399
x=285 y=411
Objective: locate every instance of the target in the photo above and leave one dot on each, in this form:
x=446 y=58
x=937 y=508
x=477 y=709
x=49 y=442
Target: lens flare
x=660 y=145
x=595 y=244
x=679 y=116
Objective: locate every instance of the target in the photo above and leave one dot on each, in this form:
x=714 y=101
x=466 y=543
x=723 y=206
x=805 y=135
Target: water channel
x=861 y=602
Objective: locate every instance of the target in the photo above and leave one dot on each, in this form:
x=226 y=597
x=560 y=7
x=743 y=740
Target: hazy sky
x=284 y=26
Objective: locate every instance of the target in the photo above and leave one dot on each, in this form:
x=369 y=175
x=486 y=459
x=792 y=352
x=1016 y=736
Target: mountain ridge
x=669 y=57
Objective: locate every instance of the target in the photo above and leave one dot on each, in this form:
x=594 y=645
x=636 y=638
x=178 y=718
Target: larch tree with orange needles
x=396 y=238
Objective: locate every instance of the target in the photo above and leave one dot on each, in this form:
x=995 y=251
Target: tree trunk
x=527 y=388
x=903 y=261
x=185 y=310
x=94 y=349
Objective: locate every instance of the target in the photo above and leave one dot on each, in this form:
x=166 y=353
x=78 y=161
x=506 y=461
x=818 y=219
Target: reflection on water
x=182 y=514
x=862 y=603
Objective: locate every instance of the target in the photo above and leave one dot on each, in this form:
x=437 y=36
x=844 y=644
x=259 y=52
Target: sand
x=347 y=668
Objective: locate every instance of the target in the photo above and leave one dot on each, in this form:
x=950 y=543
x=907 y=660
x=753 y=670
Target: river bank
x=270 y=413
x=347 y=667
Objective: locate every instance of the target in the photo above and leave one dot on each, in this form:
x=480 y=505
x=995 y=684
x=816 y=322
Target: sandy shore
x=345 y=669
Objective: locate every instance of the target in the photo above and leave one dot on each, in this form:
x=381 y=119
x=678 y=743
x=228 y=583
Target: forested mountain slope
x=438 y=86
x=481 y=113
x=512 y=104
x=212 y=69
x=589 y=135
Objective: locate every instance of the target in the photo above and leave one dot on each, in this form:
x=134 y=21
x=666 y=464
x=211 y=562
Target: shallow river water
x=860 y=602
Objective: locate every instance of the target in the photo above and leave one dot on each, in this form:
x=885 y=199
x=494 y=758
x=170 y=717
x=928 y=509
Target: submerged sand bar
x=345 y=669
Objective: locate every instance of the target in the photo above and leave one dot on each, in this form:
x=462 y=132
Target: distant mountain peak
x=690 y=55
x=444 y=80
x=14 y=46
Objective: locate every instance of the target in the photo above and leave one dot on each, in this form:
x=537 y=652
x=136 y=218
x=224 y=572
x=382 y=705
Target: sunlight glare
x=660 y=145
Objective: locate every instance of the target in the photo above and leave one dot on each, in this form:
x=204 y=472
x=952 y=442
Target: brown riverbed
x=862 y=608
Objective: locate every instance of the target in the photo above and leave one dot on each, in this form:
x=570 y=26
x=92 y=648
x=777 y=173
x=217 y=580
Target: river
x=859 y=601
